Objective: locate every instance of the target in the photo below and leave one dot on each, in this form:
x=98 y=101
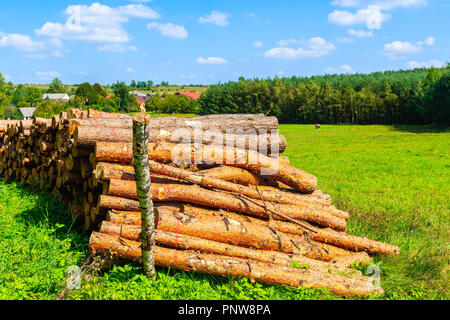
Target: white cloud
x=187 y=77
x=166 y=63
x=97 y=23
x=345 y=68
x=116 y=47
x=314 y=47
x=216 y=17
x=48 y=74
x=382 y=4
x=428 y=41
x=345 y=40
x=425 y=64
x=258 y=44
x=129 y=70
x=211 y=60
x=139 y=11
x=401 y=47
x=360 y=33
x=397 y=49
x=372 y=17
x=169 y=30
x=20 y=42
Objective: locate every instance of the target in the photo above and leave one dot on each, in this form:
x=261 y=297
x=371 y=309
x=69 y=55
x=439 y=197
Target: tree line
x=419 y=96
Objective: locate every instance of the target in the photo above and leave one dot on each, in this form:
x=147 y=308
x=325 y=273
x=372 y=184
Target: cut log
x=237 y=124
x=251 y=160
x=87 y=136
x=233 y=202
x=108 y=171
x=185 y=242
x=226 y=266
x=239 y=233
x=238 y=175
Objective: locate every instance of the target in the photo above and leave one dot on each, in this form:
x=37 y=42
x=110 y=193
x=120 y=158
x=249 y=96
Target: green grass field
x=393 y=181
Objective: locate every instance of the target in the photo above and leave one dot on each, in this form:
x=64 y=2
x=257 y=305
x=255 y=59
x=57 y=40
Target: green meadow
x=394 y=181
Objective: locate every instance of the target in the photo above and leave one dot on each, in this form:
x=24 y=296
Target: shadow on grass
x=50 y=212
x=421 y=128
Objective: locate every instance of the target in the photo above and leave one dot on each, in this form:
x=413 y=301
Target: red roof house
x=190 y=95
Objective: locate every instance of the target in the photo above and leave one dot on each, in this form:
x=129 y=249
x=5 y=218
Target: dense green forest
x=394 y=97
x=419 y=96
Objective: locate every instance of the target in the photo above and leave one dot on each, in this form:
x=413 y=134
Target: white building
x=27 y=113
x=137 y=94
x=61 y=97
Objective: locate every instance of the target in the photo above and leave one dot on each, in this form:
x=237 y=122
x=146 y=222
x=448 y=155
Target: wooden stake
x=141 y=128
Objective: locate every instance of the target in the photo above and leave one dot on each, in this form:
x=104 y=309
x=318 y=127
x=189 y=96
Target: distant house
x=141 y=97
x=190 y=95
x=61 y=97
x=137 y=94
x=27 y=113
x=141 y=100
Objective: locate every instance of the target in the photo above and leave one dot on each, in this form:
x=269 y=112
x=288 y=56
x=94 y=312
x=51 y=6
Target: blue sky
x=206 y=42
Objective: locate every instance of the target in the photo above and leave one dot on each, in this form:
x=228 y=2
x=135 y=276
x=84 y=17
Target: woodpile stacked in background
x=226 y=220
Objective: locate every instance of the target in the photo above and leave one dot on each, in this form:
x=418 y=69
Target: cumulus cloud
x=42 y=56
x=428 y=41
x=97 y=22
x=169 y=30
x=345 y=68
x=425 y=64
x=129 y=70
x=211 y=60
x=314 y=47
x=43 y=75
x=215 y=17
x=360 y=33
x=372 y=17
x=116 y=47
x=139 y=11
x=382 y=4
x=257 y=44
x=20 y=42
x=397 y=50
x=345 y=40
x=183 y=76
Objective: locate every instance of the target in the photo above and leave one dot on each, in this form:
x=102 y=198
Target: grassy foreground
x=393 y=181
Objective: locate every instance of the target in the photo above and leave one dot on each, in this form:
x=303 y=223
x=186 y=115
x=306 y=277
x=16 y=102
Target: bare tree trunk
x=141 y=126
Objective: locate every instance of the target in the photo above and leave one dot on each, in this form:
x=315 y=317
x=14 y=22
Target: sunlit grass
x=393 y=181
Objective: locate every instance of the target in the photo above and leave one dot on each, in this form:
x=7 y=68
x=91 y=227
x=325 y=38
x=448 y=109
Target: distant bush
x=172 y=104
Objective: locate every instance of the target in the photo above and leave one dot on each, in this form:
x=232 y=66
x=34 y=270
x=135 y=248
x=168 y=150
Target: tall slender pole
x=141 y=128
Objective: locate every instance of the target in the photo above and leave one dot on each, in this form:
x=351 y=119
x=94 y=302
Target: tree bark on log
x=325 y=235
x=226 y=266
x=86 y=136
x=108 y=170
x=238 y=175
x=92 y=113
x=237 y=124
x=247 y=159
x=252 y=192
x=185 y=242
x=234 y=232
x=233 y=202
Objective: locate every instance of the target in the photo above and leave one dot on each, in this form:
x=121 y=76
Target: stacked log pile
x=238 y=219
